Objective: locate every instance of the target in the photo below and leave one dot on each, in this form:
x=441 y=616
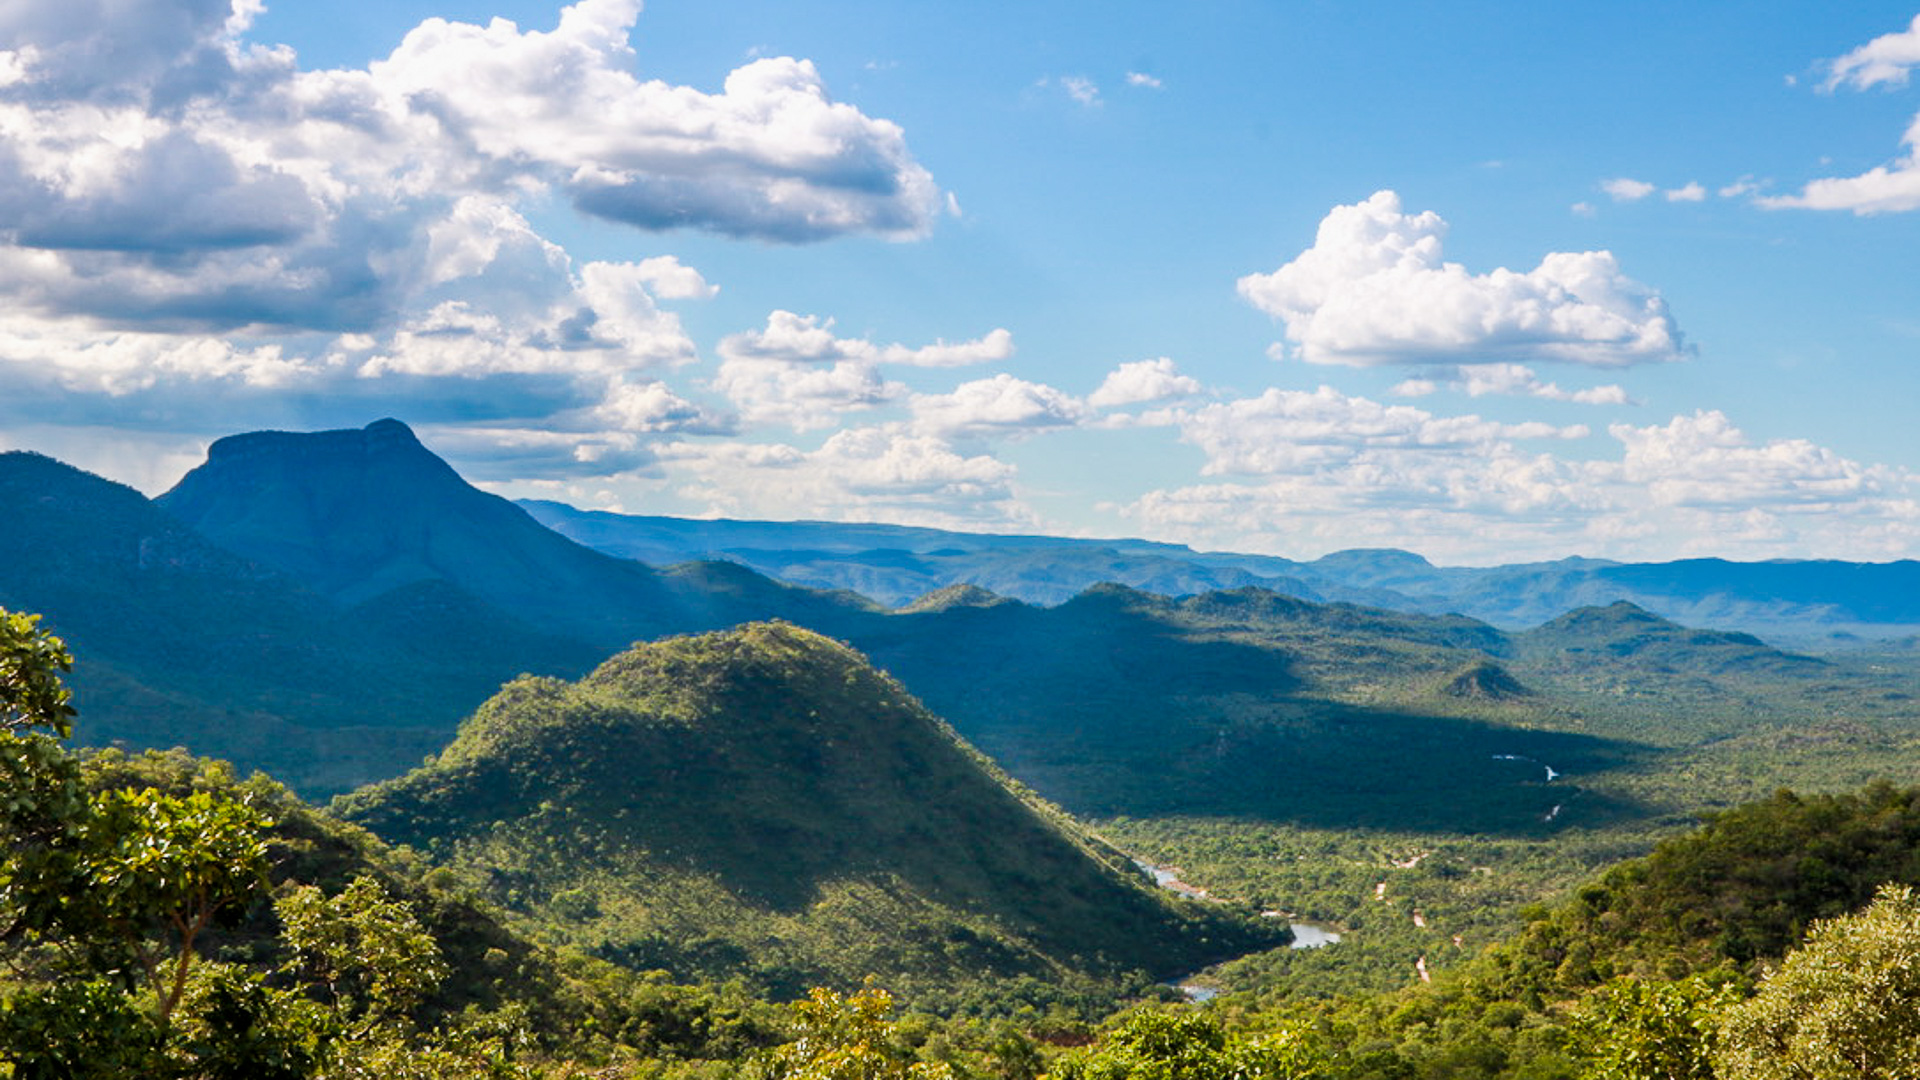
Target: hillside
x=761 y=802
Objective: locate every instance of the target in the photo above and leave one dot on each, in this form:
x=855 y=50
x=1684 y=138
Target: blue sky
x=1488 y=281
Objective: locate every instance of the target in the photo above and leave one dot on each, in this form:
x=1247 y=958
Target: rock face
x=768 y=793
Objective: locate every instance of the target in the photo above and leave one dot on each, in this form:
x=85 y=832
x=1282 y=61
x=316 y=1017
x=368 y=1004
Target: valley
x=719 y=778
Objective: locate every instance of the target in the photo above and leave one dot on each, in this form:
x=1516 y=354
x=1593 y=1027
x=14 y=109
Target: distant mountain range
x=1813 y=603
x=329 y=605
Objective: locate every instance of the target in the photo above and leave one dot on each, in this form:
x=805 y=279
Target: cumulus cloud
x=998 y=406
x=886 y=472
x=771 y=156
x=1692 y=191
x=1891 y=188
x=194 y=229
x=1695 y=485
x=156 y=169
x=1515 y=380
x=1885 y=60
x=1143 y=382
x=1704 y=460
x=1622 y=189
x=1883 y=189
x=797 y=373
x=1144 y=80
x=1284 y=431
x=1375 y=290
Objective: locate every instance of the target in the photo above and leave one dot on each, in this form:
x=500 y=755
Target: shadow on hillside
x=1316 y=764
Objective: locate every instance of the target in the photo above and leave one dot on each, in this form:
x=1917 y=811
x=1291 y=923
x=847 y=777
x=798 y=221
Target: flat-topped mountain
x=362 y=514
x=187 y=643
x=768 y=794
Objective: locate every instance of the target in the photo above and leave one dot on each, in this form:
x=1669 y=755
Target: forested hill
x=767 y=794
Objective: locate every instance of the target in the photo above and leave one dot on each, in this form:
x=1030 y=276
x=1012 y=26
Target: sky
x=1490 y=281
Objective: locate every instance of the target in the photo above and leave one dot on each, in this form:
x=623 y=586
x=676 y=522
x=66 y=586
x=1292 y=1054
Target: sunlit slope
x=762 y=802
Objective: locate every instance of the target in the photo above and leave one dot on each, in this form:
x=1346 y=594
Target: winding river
x=1305 y=935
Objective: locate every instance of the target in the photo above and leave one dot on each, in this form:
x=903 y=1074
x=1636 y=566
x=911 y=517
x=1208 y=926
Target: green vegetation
x=763 y=802
x=163 y=919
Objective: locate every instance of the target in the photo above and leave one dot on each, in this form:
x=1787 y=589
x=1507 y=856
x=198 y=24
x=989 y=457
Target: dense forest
x=166 y=918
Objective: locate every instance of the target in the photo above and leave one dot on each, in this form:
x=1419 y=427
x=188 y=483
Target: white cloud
x=885 y=472
x=808 y=339
x=156 y=169
x=1885 y=60
x=651 y=407
x=771 y=156
x=1622 y=189
x=795 y=372
x=1288 y=431
x=668 y=279
x=1692 y=192
x=803 y=397
x=1892 y=188
x=999 y=406
x=1375 y=290
x=1883 y=189
x=1144 y=80
x=1081 y=89
x=1703 y=460
x=1143 y=382
x=1696 y=485
x=1515 y=380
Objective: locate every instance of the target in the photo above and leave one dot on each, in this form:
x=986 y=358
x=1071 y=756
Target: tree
x=1845 y=1004
x=848 y=1037
x=1189 y=1044
x=1647 y=1030
x=31 y=663
x=366 y=948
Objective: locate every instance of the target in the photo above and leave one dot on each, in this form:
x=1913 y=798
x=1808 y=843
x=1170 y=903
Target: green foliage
x=368 y=949
x=847 y=1037
x=1159 y=1044
x=31 y=663
x=152 y=870
x=1639 y=1030
x=79 y=1030
x=1846 y=1004
x=763 y=803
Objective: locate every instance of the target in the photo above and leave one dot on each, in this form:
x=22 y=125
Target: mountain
x=763 y=802
x=895 y=564
x=360 y=515
x=1804 y=602
x=1625 y=634
x=187 y=643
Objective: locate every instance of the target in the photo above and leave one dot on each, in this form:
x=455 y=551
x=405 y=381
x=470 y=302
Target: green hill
x=763 y=802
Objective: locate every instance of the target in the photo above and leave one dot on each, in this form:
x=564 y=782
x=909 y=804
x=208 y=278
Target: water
x=1309 y=936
